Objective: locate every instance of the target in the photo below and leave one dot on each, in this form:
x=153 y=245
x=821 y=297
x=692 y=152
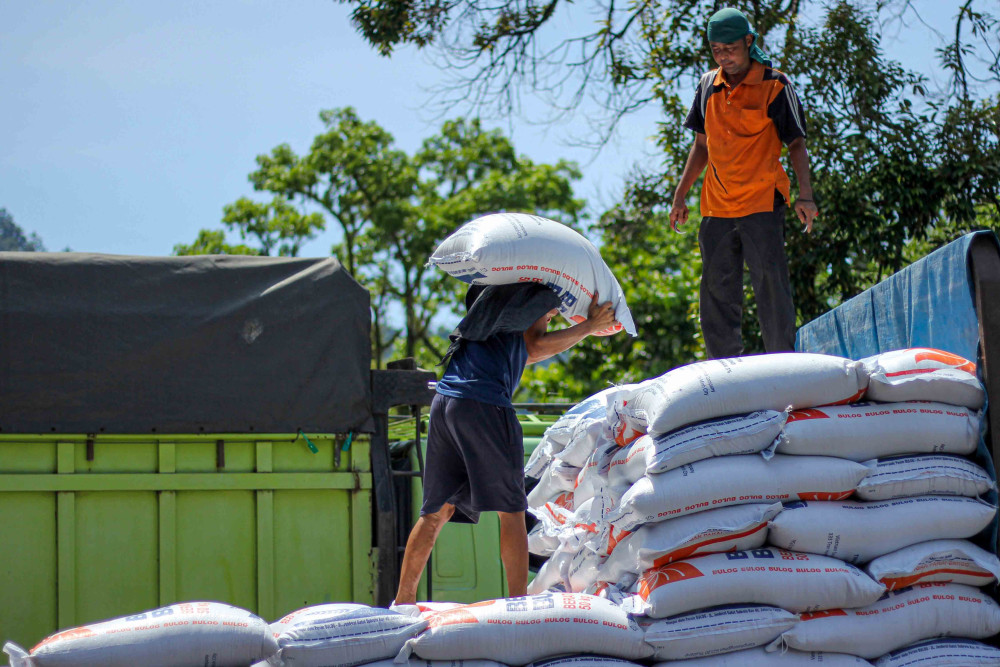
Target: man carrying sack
x=741 y=115
x=475 y=450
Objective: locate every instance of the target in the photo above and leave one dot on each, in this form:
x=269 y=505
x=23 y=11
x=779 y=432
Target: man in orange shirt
x=741 y=115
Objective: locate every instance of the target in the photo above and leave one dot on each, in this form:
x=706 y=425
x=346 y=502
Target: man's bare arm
x=805 y=205
x=696 y=162
x=542 y=344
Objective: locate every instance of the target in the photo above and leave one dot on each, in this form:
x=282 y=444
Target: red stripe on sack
x=75 y=633
x=622 y=440
x=564 y=500
x=451 y=617
x=558 y=518
x=822 y=614
x=824 y=495
x=669 y=574
x=957 y=362
x=912 y=371
x=852 y=399
x=684 y=552
x=615 y=541
x=807 y=413
x=892 y=583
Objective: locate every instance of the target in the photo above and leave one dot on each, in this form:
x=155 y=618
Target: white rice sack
x=736 y=528
x=588 y=435
x=540 y=459
x=717 y=630
x=740 y=434
x=758 y=657
x=584 y=570
x=564 y=474
x=868 y=430
x=924 y=374
x=609 y=591
x=538 y=498
x=629 y=463
x=551 y=576
x=942 y=653
x=955 y=561
x=595 y=405
x=899 y=619
x=794 y=581
x=558 y=435
x=428 y=608
x=720 y=387
x=345 y=637
x=559 y=478
x=594 y=473
x=187 y=633
x=583 y=528
x=543 y=539
x=286 y=621
x=506 y=248
x=857 y=532
x=929 y=474
x=521 y=630
x=583 y=661
x=734 y=480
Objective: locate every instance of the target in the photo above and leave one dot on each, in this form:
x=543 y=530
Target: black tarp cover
x=94 y=343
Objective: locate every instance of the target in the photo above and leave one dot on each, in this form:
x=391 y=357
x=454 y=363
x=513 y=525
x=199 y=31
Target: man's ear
x=748 y=39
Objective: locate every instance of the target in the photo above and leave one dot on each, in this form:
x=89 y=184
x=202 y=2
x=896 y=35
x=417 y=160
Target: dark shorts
x=475 y=459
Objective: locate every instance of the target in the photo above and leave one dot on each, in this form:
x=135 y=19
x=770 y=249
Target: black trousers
x=475 y=459
x=726 y=243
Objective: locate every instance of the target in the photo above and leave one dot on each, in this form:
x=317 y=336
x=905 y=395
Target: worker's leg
x=514 y=552
x=418 y=550
x=445 y=481
x=763 y=236
x=721 y=287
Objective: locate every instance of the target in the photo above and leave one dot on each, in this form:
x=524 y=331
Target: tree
x=659 y=272
x=393 y=209
x=897 y=171
x=213 y=242
x=890 y=164
x=623 y=55
x=898 y=168
x=463 y=172
x=12 y=237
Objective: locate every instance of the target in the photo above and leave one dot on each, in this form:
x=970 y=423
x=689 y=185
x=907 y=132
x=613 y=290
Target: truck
x=211 y=428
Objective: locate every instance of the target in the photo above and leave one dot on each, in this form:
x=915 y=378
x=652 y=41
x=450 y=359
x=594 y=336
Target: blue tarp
x=927 y=304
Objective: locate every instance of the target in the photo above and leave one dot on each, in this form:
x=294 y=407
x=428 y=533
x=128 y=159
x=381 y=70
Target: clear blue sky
x=126 y=125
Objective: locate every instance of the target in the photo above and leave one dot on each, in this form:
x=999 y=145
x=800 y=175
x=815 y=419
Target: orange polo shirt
x=745 y=127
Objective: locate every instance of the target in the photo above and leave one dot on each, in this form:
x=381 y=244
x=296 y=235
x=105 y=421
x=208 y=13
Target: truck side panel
x=149 y=522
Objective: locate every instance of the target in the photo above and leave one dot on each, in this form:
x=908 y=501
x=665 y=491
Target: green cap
x=730 y=25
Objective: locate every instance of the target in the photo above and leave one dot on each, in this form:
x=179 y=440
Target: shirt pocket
x=753 y=122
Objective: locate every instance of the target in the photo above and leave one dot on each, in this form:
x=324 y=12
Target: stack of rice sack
x=186 y=633
x=536 y=630
x=731 y=484
x=911 y=519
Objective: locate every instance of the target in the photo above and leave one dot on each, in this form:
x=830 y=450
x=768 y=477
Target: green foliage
x=660 y=271
x=275 y=227
x=12 y=238
x=897 y=168
x=213 y=242
x=889 y=167
x=393 y=209
x=896 y=172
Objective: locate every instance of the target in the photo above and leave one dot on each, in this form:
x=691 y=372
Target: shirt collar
x=754 y=77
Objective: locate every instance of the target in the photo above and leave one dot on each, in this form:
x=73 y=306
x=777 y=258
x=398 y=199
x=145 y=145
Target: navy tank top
x=486 y=371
